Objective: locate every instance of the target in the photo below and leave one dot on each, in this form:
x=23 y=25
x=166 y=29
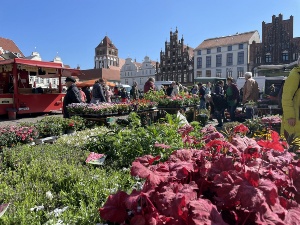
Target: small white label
x=26 y=108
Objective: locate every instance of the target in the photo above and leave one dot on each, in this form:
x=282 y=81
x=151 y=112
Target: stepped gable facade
x=176 y=61
x=278 y=45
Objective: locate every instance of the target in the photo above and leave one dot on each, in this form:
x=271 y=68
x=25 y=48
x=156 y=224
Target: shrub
x=48 y=184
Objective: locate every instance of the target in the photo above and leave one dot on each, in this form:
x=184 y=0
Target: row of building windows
x=173 y=61
x=109 y=52
x=229 y=60
x=164 y=69
x=218 y=72
x=144 y=72
x=229 y=48
x=284 y=57
x=176 y=77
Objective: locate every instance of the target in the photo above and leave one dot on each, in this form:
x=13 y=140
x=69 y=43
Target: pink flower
x=158 y=145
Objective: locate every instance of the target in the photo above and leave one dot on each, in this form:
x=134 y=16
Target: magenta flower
x=158 y=145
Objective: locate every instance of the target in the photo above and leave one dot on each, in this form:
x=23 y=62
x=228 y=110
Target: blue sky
x=73 y=28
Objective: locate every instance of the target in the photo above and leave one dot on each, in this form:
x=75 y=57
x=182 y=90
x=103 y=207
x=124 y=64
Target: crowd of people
x=217 y=98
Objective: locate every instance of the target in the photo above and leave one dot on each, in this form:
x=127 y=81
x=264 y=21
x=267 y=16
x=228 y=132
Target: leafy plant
x=12 y=135
x=227 y=181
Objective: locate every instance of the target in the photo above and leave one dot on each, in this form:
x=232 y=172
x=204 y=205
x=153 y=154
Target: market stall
x=17 y=96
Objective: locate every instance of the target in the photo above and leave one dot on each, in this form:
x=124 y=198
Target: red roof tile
x=106 y=42
x=9 y=45
x=227 y=40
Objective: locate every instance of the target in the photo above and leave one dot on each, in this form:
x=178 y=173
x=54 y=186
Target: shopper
x=72 y=95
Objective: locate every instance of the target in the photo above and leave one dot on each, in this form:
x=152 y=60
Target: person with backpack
x=291 y=103
x=250 y=89
x=232 y=96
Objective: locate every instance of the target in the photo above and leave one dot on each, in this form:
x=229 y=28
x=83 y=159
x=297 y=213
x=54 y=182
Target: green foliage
x=40 y=180
x=50 y=126
x=122 y=146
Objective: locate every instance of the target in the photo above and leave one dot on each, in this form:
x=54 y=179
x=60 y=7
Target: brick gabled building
x=106 y=54
x=278 y=45
x=176 y=62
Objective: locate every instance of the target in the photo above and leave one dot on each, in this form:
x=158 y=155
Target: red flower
x=241 y=129
x=274 y=143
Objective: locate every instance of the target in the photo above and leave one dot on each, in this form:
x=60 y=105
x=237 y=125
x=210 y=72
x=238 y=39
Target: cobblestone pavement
x=33 y=118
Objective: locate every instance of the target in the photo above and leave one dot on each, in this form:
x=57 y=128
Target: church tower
x=106 y=54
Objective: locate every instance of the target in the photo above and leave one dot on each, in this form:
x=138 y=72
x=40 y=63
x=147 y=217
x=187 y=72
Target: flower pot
x=12 y=115
x=70 y=131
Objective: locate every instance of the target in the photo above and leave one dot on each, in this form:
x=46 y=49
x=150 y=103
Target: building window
x=218 y=49
x=240 y=58
x=218 y=73
x=240 y=71
x=199 y=52
x=228 y=72
x=199 y=62
x=229 y=48
x=258 y=60
x=208 y=51
x=241 y=46
x=208 y=61
x=295 y=56
x=208 y=73
x=268 y=58
x=219 y=60
x=184 y=77
x=229 y=59
x=126 y=81
x=140 y=80
x=199 y=73
x=285 y=56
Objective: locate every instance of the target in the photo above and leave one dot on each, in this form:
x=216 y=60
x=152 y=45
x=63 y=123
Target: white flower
x=49 y=195
x=58 y=211
x=37 y=208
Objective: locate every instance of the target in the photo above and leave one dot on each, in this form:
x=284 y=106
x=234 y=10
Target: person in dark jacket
x=97 y=93
x=72 y=96
x=233 y=97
